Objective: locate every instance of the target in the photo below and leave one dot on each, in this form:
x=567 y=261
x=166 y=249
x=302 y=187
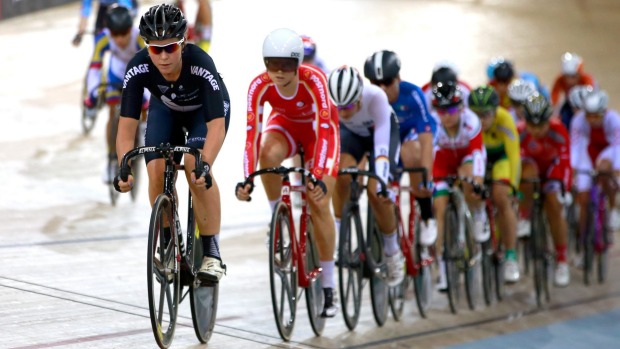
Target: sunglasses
x=169 y=48
x=448 y=111
x=285 y=65
x=384 y=82
x=346 y=107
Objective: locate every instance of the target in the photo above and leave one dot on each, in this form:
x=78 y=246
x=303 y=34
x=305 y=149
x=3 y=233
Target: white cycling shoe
x=428 y=232
x=561 y=275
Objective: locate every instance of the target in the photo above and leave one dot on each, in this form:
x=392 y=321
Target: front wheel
x=379 y=289
x=283 y=271
x=203 y=298
x=163 y=272
x=398 y=294
x=487 y=271
x=423 y=281
x=314 y=293
x=451 y=255
x=350 y=264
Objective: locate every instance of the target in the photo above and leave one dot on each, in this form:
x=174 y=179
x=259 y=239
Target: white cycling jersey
x=590 y=145
x=375 y=114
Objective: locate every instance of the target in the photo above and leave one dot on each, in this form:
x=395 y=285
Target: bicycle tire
x=539 y=256
x=350 y=264
x=379 y=290
x=451 y=256
x=588 y=246
x=163 y=274
x=314 y=293
x=488 y=271
x=423 y=280
x=283 y=271
x=472 y=268
x=500 y=281
x=112 y=157
x=397 y=295
x=88 y=123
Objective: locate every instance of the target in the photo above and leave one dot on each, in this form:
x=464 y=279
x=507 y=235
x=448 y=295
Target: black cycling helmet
x=443 y=74
x=163 y=22
x=483 y=98
x=504 y=71
x=537 y=109
x=118 y=18
x=447 y=94
x=382 y=65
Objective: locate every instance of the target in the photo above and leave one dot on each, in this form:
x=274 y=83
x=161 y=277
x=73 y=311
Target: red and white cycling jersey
x=308 y=118
x=465 y=146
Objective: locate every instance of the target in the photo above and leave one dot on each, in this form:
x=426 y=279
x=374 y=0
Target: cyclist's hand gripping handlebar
x=203 y=169
x=242 y=185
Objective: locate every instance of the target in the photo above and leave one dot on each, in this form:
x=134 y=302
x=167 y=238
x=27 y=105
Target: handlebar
x=283 y=172
x=477 y=187
x=422 y=170
x=354 y=172
x=166 y=150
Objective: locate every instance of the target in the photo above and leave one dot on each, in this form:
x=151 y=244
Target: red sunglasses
x=169 y=48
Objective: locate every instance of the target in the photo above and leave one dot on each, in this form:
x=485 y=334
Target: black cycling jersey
x=198 y=87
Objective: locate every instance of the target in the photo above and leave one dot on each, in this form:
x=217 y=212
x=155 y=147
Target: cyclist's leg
x=203 y=25
x=412 y=155
x=607 y=162
x=474 y=201
x=506 y=217
x=583 y=184
x=554 y=208
x=529 y=170
x=353 y=149
x=276 y=146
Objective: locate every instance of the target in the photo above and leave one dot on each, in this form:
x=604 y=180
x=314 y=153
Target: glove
x=117 y=179
x=77 y=39
x=204 y=172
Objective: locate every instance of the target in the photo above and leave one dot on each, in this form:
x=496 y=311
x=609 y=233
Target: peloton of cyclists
x=302 y=113
x=368 y=125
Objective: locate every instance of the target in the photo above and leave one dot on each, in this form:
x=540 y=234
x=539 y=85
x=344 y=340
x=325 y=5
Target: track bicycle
x=538 y=246
x=293 y=258
x=173 y=260
x=596 y=238
x=361 y=256
x=418 y=258
x=461 y=253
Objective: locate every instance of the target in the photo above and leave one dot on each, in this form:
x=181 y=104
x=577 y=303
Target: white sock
x=272 y=204
x=328 y=274
x=337 y=225
x=390 y=244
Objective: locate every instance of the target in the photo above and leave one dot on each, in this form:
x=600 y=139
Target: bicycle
x=538 y=245
x=88 y=119
x=172 y=262
x=461 y=253
x=418 y=258
x=361 y=257
x=596 y=238
x=290 y=253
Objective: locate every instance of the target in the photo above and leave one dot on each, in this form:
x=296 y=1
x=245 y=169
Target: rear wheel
x=472 y=268
x=588 y=247
x=163 y=271
x=379 y=290
x=498 y=269
x=540 y=259
x=283 y=271
x=452 y=254
x=350 y=264
x=487 y=271
x=423 y=281
x=602 y=258
x=398 y=294
x=314 y=293
x=87 y=121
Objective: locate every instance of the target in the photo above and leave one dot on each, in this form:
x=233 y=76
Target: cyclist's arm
x=476 y=152
x=322 y=118
x=254 y=126
x=425 y=128
x=140 y=42
x=381 y=112
x=561 y=168
x=511 y=145
x=579 y=157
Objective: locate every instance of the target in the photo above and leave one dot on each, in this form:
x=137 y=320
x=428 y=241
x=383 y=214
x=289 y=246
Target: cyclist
x=501 y=141
x=595 y=143
x=518 y=92
x=545 y=154
x=122 y=40
x=572 y=75
x=187 y=92
x=310 y=56
x=459 y=150
x=368 y=125
x=302 y=114
x=501 y=73
x=576 y=95
x=201 y=32
x=445 y=71
x=86 y=9
x=416 y=125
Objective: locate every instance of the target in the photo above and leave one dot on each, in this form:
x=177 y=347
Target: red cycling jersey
x=560 y=88
x=550 y=153
x=309 y=118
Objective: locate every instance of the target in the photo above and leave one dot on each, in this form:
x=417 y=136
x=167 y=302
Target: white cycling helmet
x=283 y=43
x=576 y=95
x=520 y=89
x=595 y=101
x=571 y=63
x=345 y=85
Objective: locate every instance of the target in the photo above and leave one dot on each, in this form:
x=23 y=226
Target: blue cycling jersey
x=87 y=5
x=412 y=111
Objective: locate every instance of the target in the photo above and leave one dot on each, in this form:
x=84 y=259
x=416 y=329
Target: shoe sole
x=207 y=278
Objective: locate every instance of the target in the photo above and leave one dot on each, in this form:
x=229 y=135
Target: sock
x=337 y=225
x=560 y=251
x=511 y=254
x=327 y=274
x=210 y=246
x=390 y=244
x=272 y=204
x=426 y=208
